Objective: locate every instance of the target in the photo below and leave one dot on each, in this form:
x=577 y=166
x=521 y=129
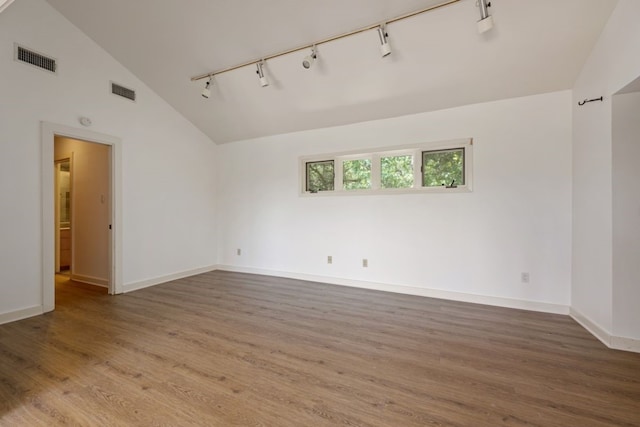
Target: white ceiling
x=438 y=61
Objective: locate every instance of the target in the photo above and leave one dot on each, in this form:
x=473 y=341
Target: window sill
x=389 y=191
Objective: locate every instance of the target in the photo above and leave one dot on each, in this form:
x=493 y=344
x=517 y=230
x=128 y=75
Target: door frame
x=49 y=132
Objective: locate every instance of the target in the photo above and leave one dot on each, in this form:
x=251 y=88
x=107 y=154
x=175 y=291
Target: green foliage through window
x=320 y=176
x=356 y=174
x=396 y=171
x=443 y=167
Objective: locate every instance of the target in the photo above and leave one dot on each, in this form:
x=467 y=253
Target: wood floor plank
x=231 y=349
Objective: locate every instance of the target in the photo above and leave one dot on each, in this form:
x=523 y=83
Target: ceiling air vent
x=35 y=59
x=122 y=91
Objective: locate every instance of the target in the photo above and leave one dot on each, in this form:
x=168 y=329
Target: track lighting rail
x=323 y=41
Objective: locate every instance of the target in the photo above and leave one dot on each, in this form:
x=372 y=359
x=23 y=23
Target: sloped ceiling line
x=4 y=4
x=439 y=60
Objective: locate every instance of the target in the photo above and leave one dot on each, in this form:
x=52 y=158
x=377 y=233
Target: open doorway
x=94 y=209
x=82 y=212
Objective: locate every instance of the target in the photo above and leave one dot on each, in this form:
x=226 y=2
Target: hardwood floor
x=229 y=349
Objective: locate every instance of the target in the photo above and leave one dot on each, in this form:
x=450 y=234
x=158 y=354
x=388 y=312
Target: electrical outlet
x=524 y=277
x=329 y=259
x=238 y=251
x=365 y=262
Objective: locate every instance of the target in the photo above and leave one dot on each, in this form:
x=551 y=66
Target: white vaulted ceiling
x=439 y=60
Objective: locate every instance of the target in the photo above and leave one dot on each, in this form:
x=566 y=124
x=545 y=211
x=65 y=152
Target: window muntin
x=356 y=174
x=396 y=171
x=320 y=176
x=443 y=168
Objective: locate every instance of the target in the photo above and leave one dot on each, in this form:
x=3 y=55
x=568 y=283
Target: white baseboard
x=626 y=344
x=611 y=341
x=24 y=313
x=130 y=287
x=90 y=280
x=591 y=326
x=410 y=290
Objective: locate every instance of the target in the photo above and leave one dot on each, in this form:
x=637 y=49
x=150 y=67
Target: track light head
x=308 y=60
x=264 y=81
x=206 y=92
x=385 y=47
x=486 y=21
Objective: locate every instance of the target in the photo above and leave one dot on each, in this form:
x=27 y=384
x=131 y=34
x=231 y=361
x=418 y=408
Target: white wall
x=517 y=219
x=626 y=215
x=613 y=63
x=168 y=165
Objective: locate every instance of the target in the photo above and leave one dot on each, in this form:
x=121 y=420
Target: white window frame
x=375 y=155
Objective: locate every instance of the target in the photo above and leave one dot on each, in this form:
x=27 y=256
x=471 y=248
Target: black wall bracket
x=590 y=100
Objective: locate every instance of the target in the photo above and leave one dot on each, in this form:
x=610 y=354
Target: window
x=396 y=171
x=422 y=168
x=320 y=176
x=356 y=174
x=443 y=167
